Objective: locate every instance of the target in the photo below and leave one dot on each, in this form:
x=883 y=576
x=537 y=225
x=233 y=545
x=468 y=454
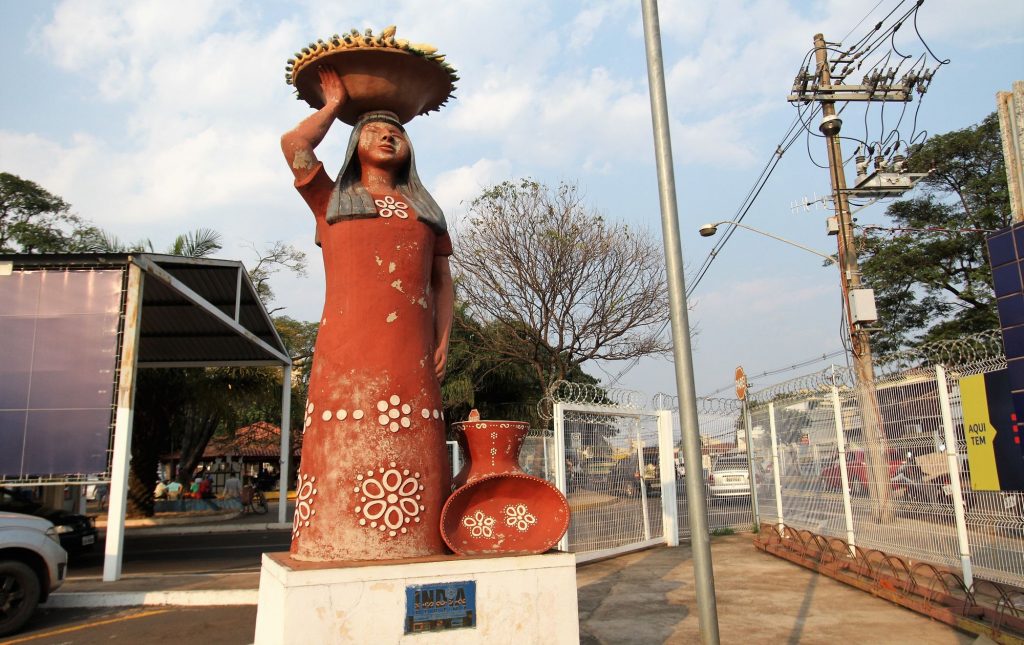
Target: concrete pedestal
x=518 y=599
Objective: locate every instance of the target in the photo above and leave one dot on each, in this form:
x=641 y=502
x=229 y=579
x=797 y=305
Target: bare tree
x=558 y=283
x=269 y=261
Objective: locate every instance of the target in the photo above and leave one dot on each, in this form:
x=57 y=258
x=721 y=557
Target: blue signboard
x=440 y=606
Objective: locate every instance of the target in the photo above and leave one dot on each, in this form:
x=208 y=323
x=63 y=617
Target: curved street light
x=710 y=229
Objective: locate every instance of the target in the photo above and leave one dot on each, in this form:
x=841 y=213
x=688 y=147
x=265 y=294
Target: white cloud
x=984 y=24
x=493 y=107
x=769 y=299
x=549 y=90
x=118 y=41
x=454 y=189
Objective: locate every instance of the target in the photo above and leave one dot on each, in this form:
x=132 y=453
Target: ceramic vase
x=500 y=509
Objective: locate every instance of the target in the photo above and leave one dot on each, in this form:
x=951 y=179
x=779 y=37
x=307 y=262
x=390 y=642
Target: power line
x=863 y=48
x=780 y=370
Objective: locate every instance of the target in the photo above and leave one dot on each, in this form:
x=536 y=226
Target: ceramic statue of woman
x=374 y=473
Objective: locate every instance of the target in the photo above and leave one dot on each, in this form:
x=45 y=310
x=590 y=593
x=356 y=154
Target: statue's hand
x=333 y=89
x=440 y=362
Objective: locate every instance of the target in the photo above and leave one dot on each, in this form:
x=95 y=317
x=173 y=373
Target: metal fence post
x=643 y=484
x=775 y=465
x=750 y=464
x=953 y=464
x=667 y=468
x=454 y=457
x=558 y=424
x=844 y=475
x=286 y=436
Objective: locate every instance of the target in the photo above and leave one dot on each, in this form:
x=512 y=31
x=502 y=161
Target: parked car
x=597 y=470
x=729 y=476
x=856 y=471
x=625 y=478
x=32 y=564
x=77 y=533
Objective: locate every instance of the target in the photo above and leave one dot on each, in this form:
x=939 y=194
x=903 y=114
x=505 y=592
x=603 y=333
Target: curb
x=175 y=521
x=179 y=529
x=198 y=597
x=586 y=506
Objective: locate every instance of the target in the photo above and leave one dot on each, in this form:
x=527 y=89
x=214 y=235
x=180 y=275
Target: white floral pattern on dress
x=479 y=525
x=389 y=499
x=390 y=206
x=519 y=517
x=308 y=419
x=305 y=495
x=394 y=415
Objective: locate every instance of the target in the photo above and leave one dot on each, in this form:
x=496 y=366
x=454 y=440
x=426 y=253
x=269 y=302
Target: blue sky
x=153 y=118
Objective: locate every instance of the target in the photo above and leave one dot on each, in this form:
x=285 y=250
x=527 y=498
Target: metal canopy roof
x=196 y=312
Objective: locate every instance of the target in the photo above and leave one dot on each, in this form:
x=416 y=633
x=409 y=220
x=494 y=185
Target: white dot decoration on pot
x=479 y=525
x=519 y=517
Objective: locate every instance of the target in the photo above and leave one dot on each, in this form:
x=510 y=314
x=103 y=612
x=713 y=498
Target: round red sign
x=741 y=384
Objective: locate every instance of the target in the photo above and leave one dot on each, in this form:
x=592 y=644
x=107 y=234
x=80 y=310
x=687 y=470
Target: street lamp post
x=700 y=541
x=867 y=396
x=710 y=229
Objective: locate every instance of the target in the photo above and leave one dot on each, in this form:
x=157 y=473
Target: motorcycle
x=908 y=483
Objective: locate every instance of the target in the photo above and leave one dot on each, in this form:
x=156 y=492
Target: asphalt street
x=190 y=553
x=151 y=625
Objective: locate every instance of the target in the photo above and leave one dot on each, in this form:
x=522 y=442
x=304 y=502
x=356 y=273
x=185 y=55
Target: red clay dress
x=374 y=472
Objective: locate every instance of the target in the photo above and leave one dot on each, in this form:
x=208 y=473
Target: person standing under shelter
x=233 y=487
x=174 y=490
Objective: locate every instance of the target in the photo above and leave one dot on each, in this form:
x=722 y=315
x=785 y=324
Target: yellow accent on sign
x=979 y=433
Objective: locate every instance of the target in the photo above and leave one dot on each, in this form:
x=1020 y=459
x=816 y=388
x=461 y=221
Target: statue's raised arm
x=298 y=143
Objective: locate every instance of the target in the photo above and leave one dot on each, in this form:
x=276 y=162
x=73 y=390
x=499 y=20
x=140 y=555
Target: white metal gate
x=618 y=476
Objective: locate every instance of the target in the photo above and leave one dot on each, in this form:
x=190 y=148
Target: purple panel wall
x=58 y=356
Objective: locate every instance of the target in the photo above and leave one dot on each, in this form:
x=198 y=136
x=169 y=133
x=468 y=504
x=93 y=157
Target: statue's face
x=382 y=145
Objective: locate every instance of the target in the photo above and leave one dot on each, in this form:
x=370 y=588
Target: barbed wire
x=586 y=394
x=980 y=351
x=705 y=404
x=813 y=384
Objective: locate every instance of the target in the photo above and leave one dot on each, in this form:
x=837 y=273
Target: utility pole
x=1011 y=127
x=876 y=87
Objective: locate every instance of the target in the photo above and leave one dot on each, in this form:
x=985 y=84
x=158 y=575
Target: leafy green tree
x=930 y=283
x=34 y=220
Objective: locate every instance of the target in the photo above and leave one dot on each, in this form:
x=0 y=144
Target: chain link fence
x=904 y=487
x=798 y=454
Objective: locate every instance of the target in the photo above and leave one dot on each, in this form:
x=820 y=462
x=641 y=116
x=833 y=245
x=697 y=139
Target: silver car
x=729 y=477
x=32 y=564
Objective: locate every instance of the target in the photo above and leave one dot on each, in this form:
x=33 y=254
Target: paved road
x=199 y=552
x=151 y=625
x=644 y=597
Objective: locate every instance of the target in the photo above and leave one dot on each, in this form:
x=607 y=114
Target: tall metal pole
x=700 y=542
x=875 y=445
x=286 y=451
x=113 y=550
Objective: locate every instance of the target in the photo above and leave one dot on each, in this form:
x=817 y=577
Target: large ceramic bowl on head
x=378 y=79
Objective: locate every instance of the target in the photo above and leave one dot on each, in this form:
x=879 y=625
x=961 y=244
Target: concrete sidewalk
x=644 y=597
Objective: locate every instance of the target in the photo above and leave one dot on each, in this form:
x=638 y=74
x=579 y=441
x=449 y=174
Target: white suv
x=32 y=564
